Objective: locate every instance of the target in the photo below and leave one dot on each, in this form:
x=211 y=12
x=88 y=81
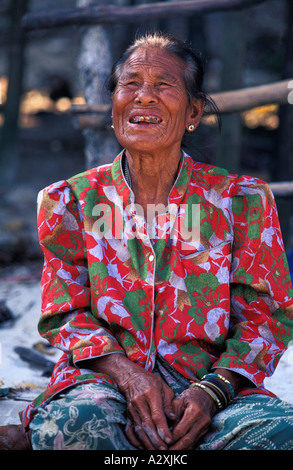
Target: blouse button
x=151 y=258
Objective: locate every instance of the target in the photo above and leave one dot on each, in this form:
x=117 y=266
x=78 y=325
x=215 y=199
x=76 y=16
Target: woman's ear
x=195 y=114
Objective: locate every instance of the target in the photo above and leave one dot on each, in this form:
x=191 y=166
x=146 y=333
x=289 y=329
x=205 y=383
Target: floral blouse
x=204 y=283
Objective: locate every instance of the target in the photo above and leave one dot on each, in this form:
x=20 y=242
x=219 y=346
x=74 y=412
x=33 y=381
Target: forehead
x=154 y=60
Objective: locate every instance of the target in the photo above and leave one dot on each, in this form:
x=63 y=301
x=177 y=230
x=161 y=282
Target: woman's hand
x=149 y=402
x=157 y=420
x=194 y=409
x=148 y=397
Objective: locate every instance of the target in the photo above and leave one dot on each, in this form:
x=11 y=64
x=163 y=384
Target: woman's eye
x=164 y=84
x=132 y=83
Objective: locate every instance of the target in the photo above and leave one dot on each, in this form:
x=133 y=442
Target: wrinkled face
x=151 y=109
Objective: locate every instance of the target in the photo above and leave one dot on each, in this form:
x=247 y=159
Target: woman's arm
x=67 y=320
x=261 y=310
x=261 y=318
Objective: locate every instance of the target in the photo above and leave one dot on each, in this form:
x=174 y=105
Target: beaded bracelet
x=209 y=392
x=226 y=381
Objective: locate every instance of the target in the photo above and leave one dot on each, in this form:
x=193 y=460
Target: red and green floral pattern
x=223 y=299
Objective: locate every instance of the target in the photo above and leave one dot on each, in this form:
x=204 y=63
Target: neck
x=152 y=177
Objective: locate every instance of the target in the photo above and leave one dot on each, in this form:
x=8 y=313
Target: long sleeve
x=67 y=321
x=261 y=289
x=225 y=302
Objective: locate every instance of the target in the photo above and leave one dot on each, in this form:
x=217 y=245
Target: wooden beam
x=91 y=116
x=248 y=98
x=91 y=15
x=90 y=108
x=282 y=188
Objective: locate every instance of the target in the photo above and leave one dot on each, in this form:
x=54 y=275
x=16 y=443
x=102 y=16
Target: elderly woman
x=165 y=284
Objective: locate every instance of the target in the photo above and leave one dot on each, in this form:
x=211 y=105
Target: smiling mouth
x=145 y=120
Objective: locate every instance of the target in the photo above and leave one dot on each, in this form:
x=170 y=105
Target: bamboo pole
x=101 y=14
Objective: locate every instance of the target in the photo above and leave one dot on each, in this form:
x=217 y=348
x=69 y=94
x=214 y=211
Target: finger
x=182 y=427
x=178 y=409
x=131 y=436
x=156 y=436
x=189 y=416
x=158 y=410
x=147 y=413
x=168 y=397
x=187 y=442
x=143 y=430
x=190 y=429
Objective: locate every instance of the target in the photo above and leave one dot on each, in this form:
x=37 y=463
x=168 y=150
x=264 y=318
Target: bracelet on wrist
x=220 y=379
x=220 y=392
x=218 y=387
x=210 y=392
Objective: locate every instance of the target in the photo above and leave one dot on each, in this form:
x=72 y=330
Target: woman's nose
x=146 y=95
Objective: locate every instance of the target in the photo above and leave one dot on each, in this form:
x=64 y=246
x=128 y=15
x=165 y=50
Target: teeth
x=149 y=119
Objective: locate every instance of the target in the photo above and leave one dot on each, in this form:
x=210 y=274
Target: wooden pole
x=95 y=62
x=91 y=14
x=247 y=98
x=282 y=188
x=9 y=152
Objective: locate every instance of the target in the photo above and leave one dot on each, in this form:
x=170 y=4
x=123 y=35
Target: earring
x=112 y=127
x=191 y=128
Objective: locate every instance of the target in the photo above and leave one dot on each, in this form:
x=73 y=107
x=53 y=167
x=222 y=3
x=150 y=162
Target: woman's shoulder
x=233 y=183
x=89 y=175
x=77 y=183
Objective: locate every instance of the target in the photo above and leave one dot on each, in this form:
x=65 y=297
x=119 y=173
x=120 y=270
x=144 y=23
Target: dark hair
x=194 y=70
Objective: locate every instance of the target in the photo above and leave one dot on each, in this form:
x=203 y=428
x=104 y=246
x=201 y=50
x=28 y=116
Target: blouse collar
x=122 y=181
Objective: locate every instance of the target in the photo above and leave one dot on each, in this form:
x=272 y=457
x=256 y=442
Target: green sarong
x=93 y=417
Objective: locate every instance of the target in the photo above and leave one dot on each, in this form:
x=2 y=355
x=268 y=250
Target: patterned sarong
x=93 y=417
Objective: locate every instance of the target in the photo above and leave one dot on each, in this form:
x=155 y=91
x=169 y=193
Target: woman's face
x=151 y=109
